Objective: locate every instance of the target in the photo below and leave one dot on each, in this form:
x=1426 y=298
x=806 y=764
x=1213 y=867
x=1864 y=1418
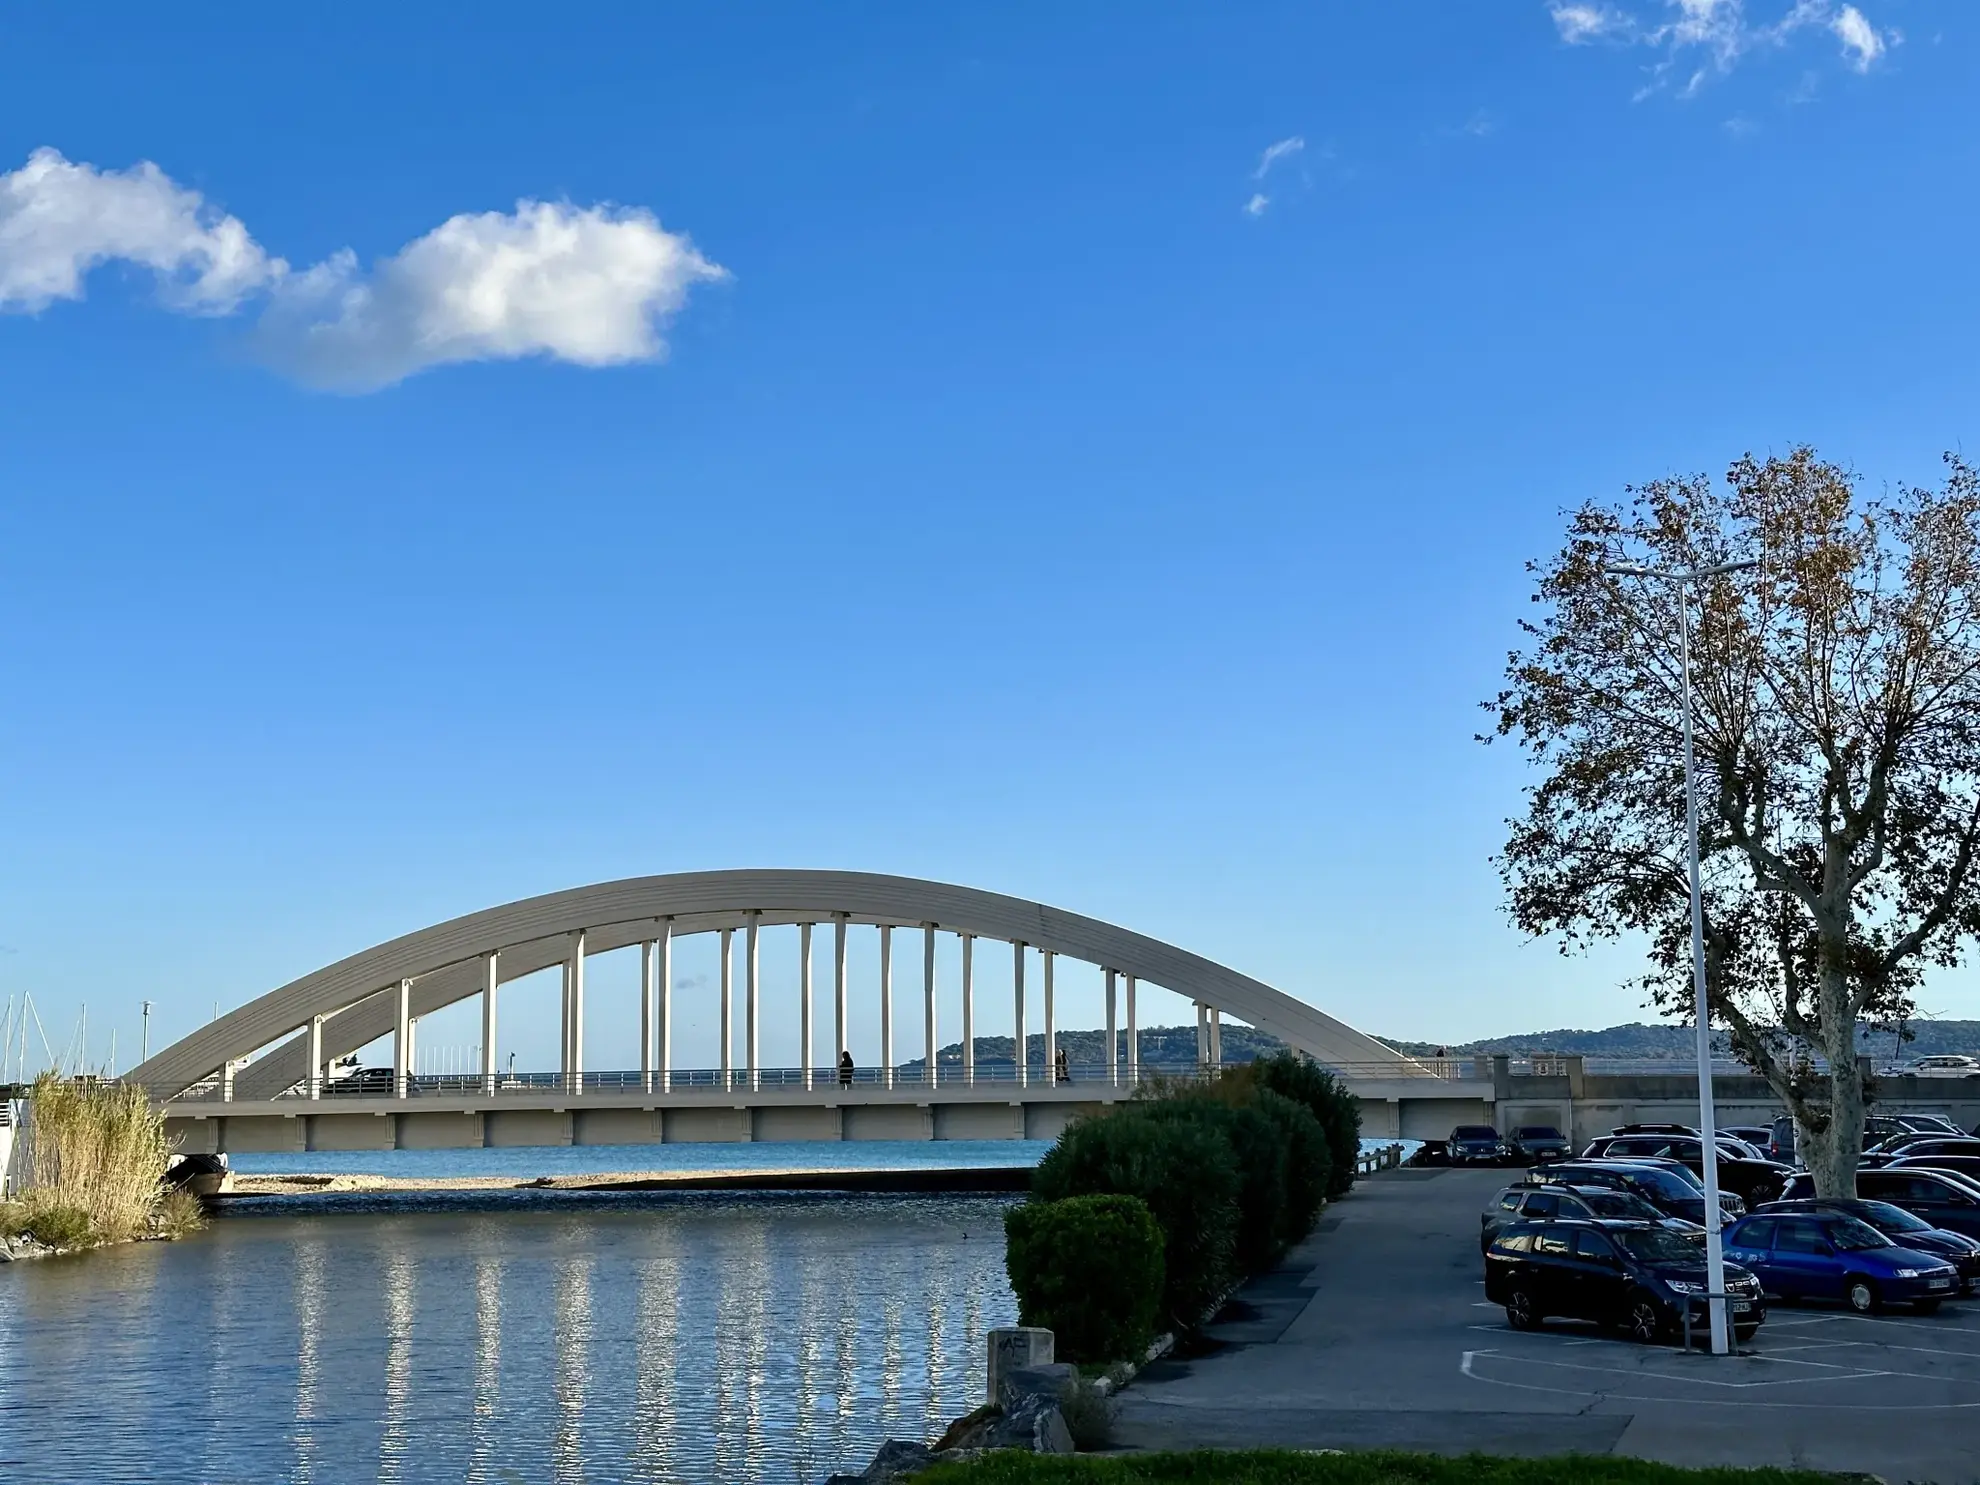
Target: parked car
x=1944 y=1200
x=1535 y=1143
x=1904 y=1146
x=1966 y=1166
x=1632 y=1276
x=1949 y=1065
x=1429 y=1153
x=1671 y=1189
x=1756 y=1135
x=1902 y=1228
x=1550 y=1203
x=1827 y=1255
x=1653 y=1129
x=1876 y=1128
x=1750 y=1178
x=1477 y=1144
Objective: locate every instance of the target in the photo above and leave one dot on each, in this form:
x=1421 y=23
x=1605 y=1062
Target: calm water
x=538 y=1337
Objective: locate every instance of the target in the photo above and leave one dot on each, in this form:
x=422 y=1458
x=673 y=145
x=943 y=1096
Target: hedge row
x=1228 y=1173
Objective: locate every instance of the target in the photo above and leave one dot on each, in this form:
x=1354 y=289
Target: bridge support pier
x=1113 y=1040
x=490 y=972
x=402 y=1040
x=1017 y=1039
x=752 y=994
x=838 y=991
x=728 y=1008
x=887 y=1005
x=928 y=996
x=315 y=1056
x=648 y=964
x=969 y=1009
x=804 y=1001
x=1133 y=1036
x=665 y=1010
x=1216 y=1037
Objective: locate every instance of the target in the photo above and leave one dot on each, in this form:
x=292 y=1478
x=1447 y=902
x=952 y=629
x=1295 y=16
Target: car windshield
x=1850 y=1235
x=1538 y=1132
x=1889 y=1217
x=1474 y=1132
x=1672 y=1180
x=1617 y=1204
x=1658 y=1245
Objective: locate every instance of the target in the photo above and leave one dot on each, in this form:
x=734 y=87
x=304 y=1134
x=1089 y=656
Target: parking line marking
x=1465 y=1367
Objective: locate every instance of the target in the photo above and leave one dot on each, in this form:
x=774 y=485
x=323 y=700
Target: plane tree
x=1837 y=697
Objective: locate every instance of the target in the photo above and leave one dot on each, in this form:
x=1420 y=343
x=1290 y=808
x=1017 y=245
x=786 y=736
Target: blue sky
x=1019 y=500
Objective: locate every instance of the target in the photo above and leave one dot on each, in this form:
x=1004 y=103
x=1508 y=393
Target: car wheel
x=1926 y=1306
x=1645 y=1320
x=1520 y=1311
x=1862 y=1295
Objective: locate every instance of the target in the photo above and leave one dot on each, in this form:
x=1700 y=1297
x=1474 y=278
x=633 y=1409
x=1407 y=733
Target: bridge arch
x=358 y=997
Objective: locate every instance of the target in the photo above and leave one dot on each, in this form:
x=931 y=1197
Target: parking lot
x=1376 y=1333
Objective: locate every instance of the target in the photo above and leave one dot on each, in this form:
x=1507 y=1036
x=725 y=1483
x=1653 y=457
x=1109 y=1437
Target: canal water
x=533 y=1336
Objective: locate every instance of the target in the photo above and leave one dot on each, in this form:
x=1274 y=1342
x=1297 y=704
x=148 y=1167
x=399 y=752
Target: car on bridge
x=1906 y=1229
x=1478 y=1144
x=1940 y=1198
x=1747 y=1176
x=1551 y=1203
x=1832 y=1256
x=1636 y=1277
x=1945 y=1065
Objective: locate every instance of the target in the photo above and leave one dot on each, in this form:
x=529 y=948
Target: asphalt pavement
x=1375 y=1333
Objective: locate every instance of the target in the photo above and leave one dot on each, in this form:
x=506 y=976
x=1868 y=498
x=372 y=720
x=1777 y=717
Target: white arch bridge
x=219 y=1095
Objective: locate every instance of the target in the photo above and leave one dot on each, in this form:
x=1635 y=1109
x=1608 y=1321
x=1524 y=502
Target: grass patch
x=93 y=1160
x=1288 y=1467
x=179 y=1214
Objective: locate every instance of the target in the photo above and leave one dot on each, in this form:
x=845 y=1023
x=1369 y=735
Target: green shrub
x=58 y=1226
x=1089 y=1269
x=1259 y=1148
x=1308 y=1163
x=1187 y=1176
x=179 y=1214
x=1305 y=1081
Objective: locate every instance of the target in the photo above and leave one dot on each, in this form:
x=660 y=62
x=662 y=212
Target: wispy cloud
x=594 y=286
x=1277 y=152
x=1699 y=40
x=1283 y=149
x=1481 y=123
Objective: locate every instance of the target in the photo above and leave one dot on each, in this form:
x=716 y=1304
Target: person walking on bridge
x=845 y=1069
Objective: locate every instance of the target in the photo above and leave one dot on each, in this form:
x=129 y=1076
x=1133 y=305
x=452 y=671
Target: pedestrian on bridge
x=845 y=1069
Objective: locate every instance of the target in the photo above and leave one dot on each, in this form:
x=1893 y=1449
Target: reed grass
x=94 y=1164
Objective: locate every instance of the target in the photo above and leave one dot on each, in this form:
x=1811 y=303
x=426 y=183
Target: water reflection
x=680 y=1339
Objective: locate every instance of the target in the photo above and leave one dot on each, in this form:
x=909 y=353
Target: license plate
x=1939 y=1284
x=1742 y=1306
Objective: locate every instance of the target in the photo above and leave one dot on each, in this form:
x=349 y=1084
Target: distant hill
x=1175 y=1046
x=1639 y=1040
x=1161 y=1046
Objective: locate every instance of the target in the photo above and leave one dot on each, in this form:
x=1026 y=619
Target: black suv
x=1538 y=1143
x=1750 y=1180
x=1947 y=1202
x=1477 y=1144
x=1553 y=1203
x=1629 y=1276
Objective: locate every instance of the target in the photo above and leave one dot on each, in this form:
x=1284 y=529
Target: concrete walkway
x=1375 y=1334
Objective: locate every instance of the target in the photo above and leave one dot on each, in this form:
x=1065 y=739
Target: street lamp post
x=1708 y=1133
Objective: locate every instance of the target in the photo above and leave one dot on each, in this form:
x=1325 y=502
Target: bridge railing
x=374 y=1083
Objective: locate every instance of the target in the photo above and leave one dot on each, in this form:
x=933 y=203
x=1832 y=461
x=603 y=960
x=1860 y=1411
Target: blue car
x=1829 y=1255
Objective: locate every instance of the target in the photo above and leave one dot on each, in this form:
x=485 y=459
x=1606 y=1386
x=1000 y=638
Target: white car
x=1948 y=1066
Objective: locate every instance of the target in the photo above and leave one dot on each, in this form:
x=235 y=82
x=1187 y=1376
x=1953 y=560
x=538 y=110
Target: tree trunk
x=1833 y=1153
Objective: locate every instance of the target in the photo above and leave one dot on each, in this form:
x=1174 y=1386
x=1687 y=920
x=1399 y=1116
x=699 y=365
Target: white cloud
x=1256 y=205
x=1579 y=24
x=58 y=221
x=593 y=286
x=1861 y=43
x=1277 y=152
x=1703 y=39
